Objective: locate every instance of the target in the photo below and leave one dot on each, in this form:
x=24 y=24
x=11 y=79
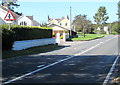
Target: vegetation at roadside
x=33 y=50
x=82 y=24
x=5 y=26
x=11 y=4
x=115 y=28
x=87 y=37
x=19 y=33
x=85 y=26
x=118 y=10
x=101 y=16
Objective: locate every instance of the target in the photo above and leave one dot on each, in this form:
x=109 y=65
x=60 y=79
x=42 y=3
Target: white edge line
x=110 y=72
x=17 y=78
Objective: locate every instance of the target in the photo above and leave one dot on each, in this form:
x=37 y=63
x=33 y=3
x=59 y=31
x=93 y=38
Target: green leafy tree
x=101 y=16
x=81 y=23
x=43 y=24
x=10 y=4
x=118 y=10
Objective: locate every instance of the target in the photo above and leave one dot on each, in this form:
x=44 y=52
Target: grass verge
x=34 y=50
x=87 y=37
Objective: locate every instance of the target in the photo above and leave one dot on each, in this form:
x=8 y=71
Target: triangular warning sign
x=9 y=16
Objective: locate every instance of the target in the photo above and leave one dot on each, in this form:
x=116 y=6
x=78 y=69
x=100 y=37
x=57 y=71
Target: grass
x=34 y=50
x=87 y=37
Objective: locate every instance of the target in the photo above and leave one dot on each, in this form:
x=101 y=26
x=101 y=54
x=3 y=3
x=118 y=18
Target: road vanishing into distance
x=75 y=62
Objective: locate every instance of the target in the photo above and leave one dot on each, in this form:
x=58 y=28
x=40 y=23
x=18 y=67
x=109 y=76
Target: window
x=65 y=24
x=23 y=23
x=60 y=24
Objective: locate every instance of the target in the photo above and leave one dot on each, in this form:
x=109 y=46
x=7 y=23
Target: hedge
x=19 y=33
x=8 y=37
x=116 y=28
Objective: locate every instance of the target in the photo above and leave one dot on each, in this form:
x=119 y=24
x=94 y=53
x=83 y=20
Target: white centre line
x=27 y=74
x=40 y=66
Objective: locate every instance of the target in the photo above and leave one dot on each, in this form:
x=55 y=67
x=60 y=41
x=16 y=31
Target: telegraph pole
x=70 y=22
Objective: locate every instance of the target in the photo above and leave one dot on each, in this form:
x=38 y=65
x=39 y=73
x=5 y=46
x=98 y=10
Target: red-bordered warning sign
x=9 y=16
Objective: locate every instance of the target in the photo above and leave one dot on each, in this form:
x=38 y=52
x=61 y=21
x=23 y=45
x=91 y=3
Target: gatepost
x=106 y=29
x=58 y=38
x=64 y=37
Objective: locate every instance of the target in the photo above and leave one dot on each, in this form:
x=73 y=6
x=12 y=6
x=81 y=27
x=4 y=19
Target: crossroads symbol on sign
x=9 y=16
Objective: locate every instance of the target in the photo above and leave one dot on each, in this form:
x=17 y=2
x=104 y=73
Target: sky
x=57 y=9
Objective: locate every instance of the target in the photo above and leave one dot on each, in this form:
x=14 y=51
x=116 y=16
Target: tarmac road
x=77 y=62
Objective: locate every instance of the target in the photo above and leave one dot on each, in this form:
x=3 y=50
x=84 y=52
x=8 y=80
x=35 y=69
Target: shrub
x=8 y=38
x=116 y=27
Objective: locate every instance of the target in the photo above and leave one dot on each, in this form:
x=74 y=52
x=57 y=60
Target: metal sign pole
x=9 y=26
x=70 y=23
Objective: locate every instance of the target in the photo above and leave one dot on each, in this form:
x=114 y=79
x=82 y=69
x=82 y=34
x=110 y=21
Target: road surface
x=76 y=62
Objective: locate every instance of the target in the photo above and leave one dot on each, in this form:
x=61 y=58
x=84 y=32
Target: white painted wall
x=58 y=38
x=64 y=21
x=57 y=28
x=20 y=45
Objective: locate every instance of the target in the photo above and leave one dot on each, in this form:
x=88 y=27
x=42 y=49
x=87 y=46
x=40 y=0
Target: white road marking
x=40 y=66
x=110 y=72
x=17 y=78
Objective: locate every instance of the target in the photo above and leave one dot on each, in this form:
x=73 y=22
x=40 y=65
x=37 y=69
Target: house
x=59 y=25
x=27 y=21
x=63 y=22
x=20 y=19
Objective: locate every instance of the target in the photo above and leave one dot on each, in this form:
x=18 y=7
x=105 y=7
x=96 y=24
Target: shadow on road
x=79 y=69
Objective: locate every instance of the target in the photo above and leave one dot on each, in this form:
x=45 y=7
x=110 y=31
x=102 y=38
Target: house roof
x=51 y=25
x=22 y=17
x=30 y=17
x=58 y=19
x=14 y=14
x=35 y=23
x=2 y=21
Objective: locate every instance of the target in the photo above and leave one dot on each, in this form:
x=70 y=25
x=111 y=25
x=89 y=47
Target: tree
x=101 y=16
x=10 y=4
x=43 y=24
x=81 y=23
x=118 y=10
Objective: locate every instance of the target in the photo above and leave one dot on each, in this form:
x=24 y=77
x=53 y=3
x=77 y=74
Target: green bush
x=116 y=28
x=18 y=33
x=8 y=38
